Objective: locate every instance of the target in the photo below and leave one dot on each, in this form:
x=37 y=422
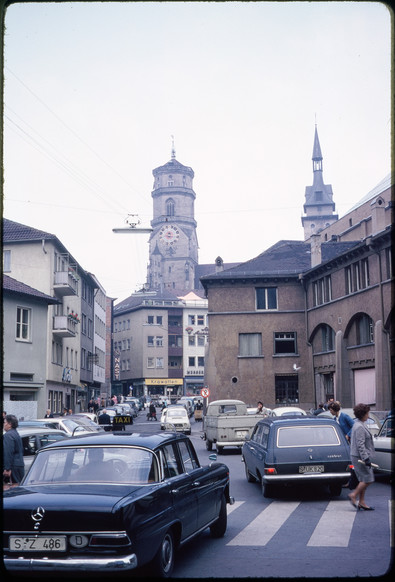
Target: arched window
x=170 y=207
x=364 y=330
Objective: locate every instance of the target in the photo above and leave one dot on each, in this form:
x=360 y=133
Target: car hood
x=69 y=507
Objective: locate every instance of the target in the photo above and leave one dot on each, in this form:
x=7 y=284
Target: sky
x=94 y=92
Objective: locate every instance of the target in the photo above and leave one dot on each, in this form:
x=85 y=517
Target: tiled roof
x=11 y=285
x=16 y=232
x=285 y=258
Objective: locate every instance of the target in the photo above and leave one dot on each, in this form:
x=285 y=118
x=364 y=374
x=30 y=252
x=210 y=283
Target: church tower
x=173 y=250
x=319 y=206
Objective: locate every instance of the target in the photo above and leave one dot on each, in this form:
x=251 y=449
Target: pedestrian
x=345 y=421
x=105 y=420
x=13 y=465
x=48 y=414
x=328 y=403
x=259 y=409
x=362 y=448
x=70 y=412
x=320 y=409
x=64 y=413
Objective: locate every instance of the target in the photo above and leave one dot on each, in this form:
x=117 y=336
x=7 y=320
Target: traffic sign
x=205 y=392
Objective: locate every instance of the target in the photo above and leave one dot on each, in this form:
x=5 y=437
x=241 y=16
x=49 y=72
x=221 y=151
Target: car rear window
x=304 y=436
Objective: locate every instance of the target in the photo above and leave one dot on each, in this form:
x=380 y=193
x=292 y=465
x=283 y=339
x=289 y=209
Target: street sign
x=205 y=392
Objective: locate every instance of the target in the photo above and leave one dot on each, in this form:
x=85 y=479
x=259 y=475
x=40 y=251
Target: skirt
x=364 y=474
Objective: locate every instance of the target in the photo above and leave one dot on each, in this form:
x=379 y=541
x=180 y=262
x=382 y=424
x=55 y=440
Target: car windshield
x=177 y=413
x=73 y=424
x=304 y=436
x=99 y=465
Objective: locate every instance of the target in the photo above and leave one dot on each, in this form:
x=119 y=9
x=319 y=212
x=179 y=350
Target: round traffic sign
x=205 y=392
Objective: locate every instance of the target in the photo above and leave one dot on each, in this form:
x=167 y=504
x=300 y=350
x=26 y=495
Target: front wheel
x=163 y=563
x=218 y=528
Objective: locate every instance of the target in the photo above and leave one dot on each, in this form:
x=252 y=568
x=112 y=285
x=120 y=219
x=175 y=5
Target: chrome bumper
x=341 y=477
x=114 y=564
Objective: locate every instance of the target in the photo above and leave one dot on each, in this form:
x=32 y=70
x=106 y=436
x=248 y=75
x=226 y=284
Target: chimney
x=219 y=265
x=315 y=247
x=378 y=215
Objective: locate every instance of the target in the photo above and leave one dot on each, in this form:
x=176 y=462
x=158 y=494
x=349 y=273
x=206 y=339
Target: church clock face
x=169 y=235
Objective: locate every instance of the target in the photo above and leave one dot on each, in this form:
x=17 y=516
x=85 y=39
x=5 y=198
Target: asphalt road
x=300 y=533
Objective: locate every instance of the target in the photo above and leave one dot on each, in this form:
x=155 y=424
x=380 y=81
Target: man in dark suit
x=13 y=465
x=105 y=419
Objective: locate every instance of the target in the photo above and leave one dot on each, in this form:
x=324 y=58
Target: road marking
x=236 y=504
x=334 y=528
x=260 y=531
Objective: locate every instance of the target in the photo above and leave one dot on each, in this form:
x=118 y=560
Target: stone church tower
x=173 y=250
x=319 y=206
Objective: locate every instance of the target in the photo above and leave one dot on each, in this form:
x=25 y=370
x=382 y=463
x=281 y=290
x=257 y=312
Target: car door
x=206 y=483
x=181 y=488
x=254 y=450
x=384 y=447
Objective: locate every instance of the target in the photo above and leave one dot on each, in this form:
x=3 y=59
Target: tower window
x=170 y=181
x=170 y=206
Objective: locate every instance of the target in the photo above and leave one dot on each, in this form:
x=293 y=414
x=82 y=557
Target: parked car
x=176 y=418
x=46 y=422
x=373 y=423
x=36 y=437
x=188 y=403
x=91 y=415
x=384 y=443
x=297 y=450
x=137 y=401
x=287 y=411
x=73 y=424
x=110 y=502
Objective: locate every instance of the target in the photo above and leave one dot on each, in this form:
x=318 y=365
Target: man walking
x=13 y=465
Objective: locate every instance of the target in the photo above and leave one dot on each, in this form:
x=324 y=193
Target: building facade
x=70 y=346
x=307 y=321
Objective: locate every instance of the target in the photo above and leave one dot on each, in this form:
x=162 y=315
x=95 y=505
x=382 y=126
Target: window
x=6 y=261
x=286 y=389
x=266 y=298
x=364 y=330
x=150 y=363
x=250 y=344
x=159 y=341
x=327 y=339
x=191 y=320
x=188 y=458
x=322 y=290
x=200 y=362
x=388 y=262
x=170 y=206
x=159 y=362
x=191 y=361
x=201 y=341
x=200 y=319
x=150 y=319
x=357 y=276
x=191 y=340
x=23 y=324
x=57 y=353
x=150 y=341
x=285 y=343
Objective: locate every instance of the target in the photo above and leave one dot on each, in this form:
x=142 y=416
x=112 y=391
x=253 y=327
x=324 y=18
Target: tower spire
x=173 y=150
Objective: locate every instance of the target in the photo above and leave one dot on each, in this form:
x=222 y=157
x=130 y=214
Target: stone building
x=307 y=321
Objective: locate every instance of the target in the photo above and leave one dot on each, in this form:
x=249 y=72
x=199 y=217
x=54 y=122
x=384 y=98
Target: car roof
x=150 y=441
x=296 y=420
x=33 y=430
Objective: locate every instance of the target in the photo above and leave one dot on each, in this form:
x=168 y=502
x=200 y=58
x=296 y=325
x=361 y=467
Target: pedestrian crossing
x=333 y=528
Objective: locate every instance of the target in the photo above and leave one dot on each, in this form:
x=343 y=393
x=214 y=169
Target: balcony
x=175 y=351
x=64 y=326
x=65 y=283
x=174 y=373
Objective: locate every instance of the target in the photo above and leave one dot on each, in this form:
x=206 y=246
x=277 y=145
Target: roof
x=283 y=259
x=137 y=300
x=104 y=438
x=174 y=166
x=12 y=286
x=16 y=232
x=377 y=190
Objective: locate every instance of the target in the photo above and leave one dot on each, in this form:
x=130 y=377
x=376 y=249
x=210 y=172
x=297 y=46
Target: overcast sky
x=94 y=92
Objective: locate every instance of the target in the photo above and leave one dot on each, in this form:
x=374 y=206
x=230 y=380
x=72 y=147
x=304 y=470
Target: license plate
x=311 y=469
x=241 y=433
x=38 y=544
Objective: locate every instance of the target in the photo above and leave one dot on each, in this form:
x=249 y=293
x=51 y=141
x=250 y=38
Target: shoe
x=365 y=508
x=353 y=503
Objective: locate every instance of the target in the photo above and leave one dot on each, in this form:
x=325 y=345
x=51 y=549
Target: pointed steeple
x=319 y=206
x=317 y=155
x=173 y=149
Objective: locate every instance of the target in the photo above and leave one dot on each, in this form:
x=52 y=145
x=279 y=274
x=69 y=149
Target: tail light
x=270 y=471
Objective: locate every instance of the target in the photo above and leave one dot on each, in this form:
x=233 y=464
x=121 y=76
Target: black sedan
x=111 y=502
x=297 y=450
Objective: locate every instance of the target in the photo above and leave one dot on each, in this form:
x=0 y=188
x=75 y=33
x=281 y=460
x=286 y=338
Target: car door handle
x=174 y=491
x=196 y=484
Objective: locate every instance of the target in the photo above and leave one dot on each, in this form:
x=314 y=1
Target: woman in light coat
x=362 y=448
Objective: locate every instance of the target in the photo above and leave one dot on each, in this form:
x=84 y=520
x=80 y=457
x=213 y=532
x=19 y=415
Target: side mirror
x=213 y=457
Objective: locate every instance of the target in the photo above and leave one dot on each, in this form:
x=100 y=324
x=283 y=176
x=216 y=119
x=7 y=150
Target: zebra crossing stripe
x=260 y=531
x=335 y=526
x=236 y=505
